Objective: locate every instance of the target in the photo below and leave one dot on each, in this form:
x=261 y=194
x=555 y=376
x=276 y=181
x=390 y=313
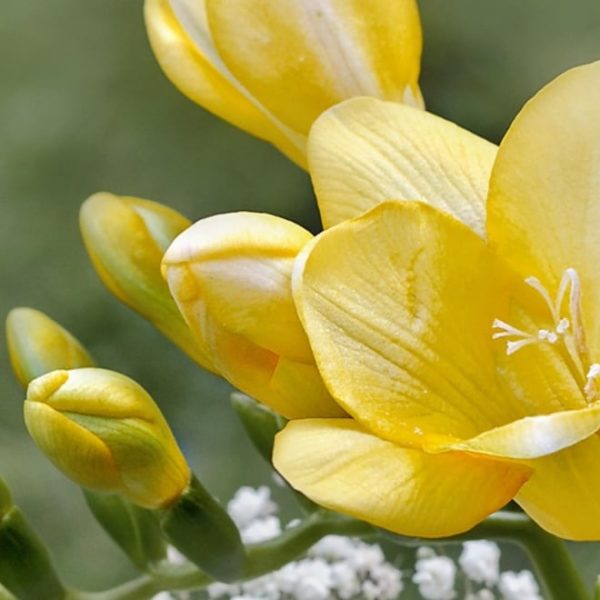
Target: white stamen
x=507 y=330
x=547 y=336
x=590 y=385
x=512 y=347
x=594 y=371
x=536 y=284
x=562 y=326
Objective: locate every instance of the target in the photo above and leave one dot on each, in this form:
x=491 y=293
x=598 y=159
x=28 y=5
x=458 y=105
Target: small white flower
x=481 y=595
x=480 y=560
x=344 y=580
x=384 y=583
x=333 y=547
x=261 y=530
x=435 y=577
x=519 y=586
x=425 y=552
x=250 y=504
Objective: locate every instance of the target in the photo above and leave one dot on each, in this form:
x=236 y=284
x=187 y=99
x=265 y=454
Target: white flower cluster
x=479 y=561
x=336 y=568
x=340 y=568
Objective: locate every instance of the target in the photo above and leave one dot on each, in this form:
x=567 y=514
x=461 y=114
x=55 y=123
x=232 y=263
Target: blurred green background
x=84 y=107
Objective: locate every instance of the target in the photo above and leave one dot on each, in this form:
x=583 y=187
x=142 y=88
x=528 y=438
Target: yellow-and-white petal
x=179 y=35
x=364 y=151
x=544 y=208
x=298 y=58
x=237 y=268
x=341 y=466
x=398 y=305
x=532 y=437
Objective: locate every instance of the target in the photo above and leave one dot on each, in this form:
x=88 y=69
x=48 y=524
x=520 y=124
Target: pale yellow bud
x=126 y=239
x=231 y=277
x=38 y=345
x=105 y=432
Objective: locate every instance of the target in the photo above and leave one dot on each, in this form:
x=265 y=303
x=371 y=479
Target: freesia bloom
x=271 y=68
x=469 y=366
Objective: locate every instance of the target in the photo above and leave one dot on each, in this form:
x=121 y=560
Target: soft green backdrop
x=84 y=107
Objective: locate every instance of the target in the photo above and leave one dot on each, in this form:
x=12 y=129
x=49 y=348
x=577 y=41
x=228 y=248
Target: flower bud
x=271 y=68
x=126 y=239
x=105 y=432
x=230 y=275
x=38 y=345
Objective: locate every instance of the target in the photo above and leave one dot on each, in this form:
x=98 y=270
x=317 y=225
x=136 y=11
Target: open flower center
x=566 y=330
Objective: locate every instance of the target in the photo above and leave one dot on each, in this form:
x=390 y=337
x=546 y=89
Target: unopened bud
x=38 y=345
x=105 y=432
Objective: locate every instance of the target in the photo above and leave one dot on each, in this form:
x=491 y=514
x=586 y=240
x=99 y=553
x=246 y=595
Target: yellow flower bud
x=231 y=278
x=126 y=239
x=105 y=432
x=38 y=345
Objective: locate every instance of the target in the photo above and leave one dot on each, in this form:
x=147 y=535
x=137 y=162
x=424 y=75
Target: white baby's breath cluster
x=436 y=576
x=340 y=568
x=336 y=568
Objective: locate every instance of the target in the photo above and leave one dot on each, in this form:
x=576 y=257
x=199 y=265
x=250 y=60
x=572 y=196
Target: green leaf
x=200 y=528
x=25 y=567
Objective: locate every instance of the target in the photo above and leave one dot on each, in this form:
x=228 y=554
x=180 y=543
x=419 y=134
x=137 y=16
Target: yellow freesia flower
x=470 y=367
x=231 y=274
x=271 y=68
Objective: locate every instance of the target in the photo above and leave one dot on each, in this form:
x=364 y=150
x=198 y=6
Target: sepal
x=200 y=528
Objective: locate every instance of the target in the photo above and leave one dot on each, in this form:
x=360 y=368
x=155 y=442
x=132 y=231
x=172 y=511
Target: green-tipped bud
x=126 y=238
x=136 y=530
x=38 y=345
x=105 y=432
x=200 y=528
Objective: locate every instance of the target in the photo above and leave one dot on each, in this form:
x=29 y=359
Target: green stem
x=553 y=564
x=552 y=561
x=260 y=559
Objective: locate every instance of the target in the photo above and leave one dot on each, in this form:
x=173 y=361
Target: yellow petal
x=339 y=465
x=184 y=48
x=231 y=277
x=544 y=209
x=299 y=58
x=126 y=238
x=237 y=269
x=532 y=437
x=293 y=389
x=562 y=494
x=398 y=306
x=365 y=151
x=37 y=345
